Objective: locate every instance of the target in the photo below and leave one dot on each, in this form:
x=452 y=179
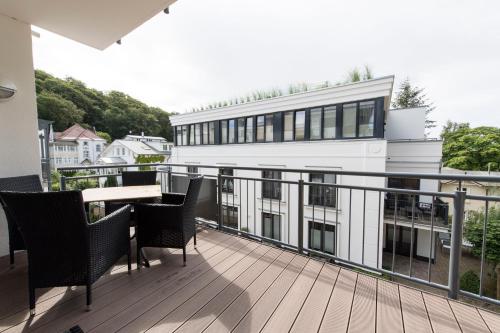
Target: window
x=205 y=133
x=322 y=195
x=315 y=124
x=191 y=134
x=227 y=183
x=117 y=151
x=288 y=126
x=179 y=135
x=185 y=135
x=271 y=226
x=165 y=147
x=86 y=154
x=260 y=128
x=329 y=122
x=75 y=160
x=249 y=133
x=123 y=151
x=241 y=130
x=197 y=134
x=58 y=160
x=231 y=128
x=269 y=127
x=230 y=216
x=300 y=125
x=349 y=121
x=192 y=169
x=223 y=131
x=366 y=118
x=211 y=135
x=98 y=148
x=85 y=143
x=271 y=190
x=319 y=240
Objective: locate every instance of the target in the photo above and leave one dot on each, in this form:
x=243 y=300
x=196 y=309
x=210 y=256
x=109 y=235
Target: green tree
x=409 y=96
x=62 y=112
x=105 y=136
x=467 y=148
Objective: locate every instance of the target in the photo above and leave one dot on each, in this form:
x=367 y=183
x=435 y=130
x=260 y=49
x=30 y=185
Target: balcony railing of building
x=348 y=217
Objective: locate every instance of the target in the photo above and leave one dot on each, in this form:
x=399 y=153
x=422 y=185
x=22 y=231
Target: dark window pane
x=223 y=131
x=315 y=125
x=230 y=216
x=179 y=135
x=322 y=195
x=249 y=134
x=232 y=125
x=366 y=118
x=241 y=130
x=227 y=183
x=288 y=127
x=269 y=128
x=330 y=122
x=271 y=190
x=349 y=121
x=300 y=125
x=319 y=240
x=260 y=128
x=271 y=226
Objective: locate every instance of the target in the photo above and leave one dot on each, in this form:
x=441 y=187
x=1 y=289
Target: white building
x=75 y=146
x=335 y=128
x=127 y=152
x=157 y=142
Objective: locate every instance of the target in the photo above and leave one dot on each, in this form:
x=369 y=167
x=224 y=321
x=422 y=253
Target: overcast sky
x=208 y=50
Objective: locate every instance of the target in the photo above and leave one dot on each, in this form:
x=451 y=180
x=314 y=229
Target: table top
x=121 y=193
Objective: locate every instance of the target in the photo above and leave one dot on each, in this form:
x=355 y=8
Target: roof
x=111 y=160
x=77 y=132
x=145 y=137
x=138 y=147
x=96 y=23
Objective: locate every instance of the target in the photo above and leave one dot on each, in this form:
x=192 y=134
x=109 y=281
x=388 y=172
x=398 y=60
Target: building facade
x=128 y=152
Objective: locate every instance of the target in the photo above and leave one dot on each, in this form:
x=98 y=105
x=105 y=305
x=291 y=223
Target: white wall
x=19 y=151
x=405 y=124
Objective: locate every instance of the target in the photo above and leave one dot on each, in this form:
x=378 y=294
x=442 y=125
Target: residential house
x=157 y=142
x=127 y=152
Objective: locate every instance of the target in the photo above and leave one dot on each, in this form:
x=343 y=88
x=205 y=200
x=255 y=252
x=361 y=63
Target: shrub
x=111 y=182
x=469 y=281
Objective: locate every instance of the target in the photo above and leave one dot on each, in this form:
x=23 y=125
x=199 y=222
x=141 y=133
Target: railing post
x=219 y=200
x=300 y=217
x=169 y=179
x=62 y=183
x=456 y=244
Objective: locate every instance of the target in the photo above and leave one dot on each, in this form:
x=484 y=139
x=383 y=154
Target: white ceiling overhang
x=97 y=23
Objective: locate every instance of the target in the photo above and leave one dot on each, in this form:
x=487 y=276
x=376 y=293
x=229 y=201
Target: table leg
x=146 y=261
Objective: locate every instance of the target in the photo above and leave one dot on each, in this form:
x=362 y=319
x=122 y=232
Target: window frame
x=227 y=215
x=295 y=125
x=272 y=216
x=263 y=128
x=271 y=185
x=310 y=227
x=312 y=201
x=225 y=172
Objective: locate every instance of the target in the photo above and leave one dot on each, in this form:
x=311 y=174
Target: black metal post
x=456 y=244
x=300 y=217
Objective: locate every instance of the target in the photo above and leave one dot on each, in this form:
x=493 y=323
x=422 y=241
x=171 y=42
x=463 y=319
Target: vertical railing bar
x=288 y=207
x=300 y=243
x=378 y=229
x=336 y=218
x=431 y=237
x=412 y=230
x=456 y=244
x=246 y=210
x=313 y=203
x=394 y=231
x=323 y=231
x=349 y=238
x=483 y=249
x=219 y=200
x=254 y=208
x=364 y=228
x=240 y=208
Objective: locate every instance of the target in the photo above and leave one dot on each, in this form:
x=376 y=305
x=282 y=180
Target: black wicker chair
x=63 y=248
x=169 y=224
x=30 y=183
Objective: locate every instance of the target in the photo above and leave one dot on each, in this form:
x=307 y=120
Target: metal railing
x=358 y=227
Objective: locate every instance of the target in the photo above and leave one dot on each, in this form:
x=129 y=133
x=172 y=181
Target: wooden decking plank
x=440 y=314
x=491 y=319
x=142 y=283
x=310 y=316
x=233 y=314
x=364 y=305
x=181 y=313
x=149 y=310
x=415 y=318
x=336 y=317
x=210 y=311
x=257 y=317
x=388 y=308
x=468 y=318
x=282 y=319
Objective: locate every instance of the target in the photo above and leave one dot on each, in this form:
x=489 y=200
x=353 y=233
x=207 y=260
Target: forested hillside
x=70 y=101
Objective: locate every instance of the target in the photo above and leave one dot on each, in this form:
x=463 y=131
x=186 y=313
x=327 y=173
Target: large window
x=329 y=122
x=322 y=195
x=223 y=131
x=227 y=183
x=288 y=126
x=315 y=124
x=249 y=133
x=191 y=134
x=231 y=128
x=269 y=128
x=349 y=121
x=241 y=130
x=300 y=125
x=205 y=133
x=260 y=128
x=366 y=118
x=271 y=226
x=271 y=190
x=230 y=216
x=211 y=133
x=197 y=134
x=319 y=240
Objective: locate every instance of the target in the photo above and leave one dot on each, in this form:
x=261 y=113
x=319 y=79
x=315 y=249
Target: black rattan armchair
x=30 y=183
x=63 y=248
x=169 y=224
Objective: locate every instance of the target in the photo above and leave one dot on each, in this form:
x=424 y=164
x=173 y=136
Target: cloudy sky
x=208 y=50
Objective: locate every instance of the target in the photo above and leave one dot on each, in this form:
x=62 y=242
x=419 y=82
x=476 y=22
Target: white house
x=127 y=152
x=75 y=146
x=347 y=127
x=157 y=142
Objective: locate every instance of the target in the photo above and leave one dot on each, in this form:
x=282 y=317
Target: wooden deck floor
x=233 y=284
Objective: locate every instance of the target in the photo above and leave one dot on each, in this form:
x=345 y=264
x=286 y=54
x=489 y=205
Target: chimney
x=142 y=134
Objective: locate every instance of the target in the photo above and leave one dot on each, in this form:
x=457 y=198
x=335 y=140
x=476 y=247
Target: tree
x=468 y=148
x=104 y=136
x=62 y=112
x=409 y=96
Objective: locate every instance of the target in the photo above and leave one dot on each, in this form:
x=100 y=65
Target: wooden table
x=125 y=193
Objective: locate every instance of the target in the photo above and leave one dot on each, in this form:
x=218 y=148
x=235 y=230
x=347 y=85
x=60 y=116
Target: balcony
x=236 y=284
